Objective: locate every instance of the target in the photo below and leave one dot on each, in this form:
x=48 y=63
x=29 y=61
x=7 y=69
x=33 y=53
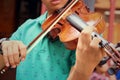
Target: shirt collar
x=42 y=18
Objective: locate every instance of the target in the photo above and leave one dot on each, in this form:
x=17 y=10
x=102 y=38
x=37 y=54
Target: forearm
x=2 y=64
x=78 y=74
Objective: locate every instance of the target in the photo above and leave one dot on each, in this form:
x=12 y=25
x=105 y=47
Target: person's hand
x=88 y=53
x=117 y=46
x=13 y=52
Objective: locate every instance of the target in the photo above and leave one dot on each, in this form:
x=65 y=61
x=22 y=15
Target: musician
x=50 y=60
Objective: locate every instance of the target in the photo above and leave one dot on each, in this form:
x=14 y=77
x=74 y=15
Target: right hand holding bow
x=13 y=52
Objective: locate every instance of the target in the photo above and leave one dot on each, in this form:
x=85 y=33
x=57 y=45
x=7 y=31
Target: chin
x=57 y=7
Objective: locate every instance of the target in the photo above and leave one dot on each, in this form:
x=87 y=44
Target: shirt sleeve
x=19 y=32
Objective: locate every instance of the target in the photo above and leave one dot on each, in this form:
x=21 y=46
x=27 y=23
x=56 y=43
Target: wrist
x=77 y=74
x=85 y=70
x=1 y=40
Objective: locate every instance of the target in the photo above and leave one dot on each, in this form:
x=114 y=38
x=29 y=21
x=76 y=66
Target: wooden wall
x=116 y=33
x=103 y=7
x=7 y=25
x=12 y=14
x=7 y=15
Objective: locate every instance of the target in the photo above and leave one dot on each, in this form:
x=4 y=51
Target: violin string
x=49 y=29
x=111 y=53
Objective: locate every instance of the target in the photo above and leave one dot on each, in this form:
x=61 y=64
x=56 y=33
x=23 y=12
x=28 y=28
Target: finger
x=22 y=51
x=10 y=57
x=85 y=36
x=95 y=45
x=95 y=42
x=118 y=49
x=95 y=30
x=88 y=29
x=5 y=56
x=16 y=54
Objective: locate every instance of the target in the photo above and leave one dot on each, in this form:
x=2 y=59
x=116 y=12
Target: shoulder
x=30 y=28
x=30 y=22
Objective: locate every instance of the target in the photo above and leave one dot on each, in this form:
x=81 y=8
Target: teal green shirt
x=48 y=60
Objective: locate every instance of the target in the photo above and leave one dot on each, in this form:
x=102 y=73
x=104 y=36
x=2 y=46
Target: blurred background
x=111 y=13
x=14 y=12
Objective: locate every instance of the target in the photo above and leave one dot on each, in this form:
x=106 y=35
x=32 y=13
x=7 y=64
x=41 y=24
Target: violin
x=66 y=32
x=72 y=22
x=68 y=22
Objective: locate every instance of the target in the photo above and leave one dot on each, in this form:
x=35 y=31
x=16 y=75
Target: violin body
x=66 y=32
x=71 y=21
x=60 y=27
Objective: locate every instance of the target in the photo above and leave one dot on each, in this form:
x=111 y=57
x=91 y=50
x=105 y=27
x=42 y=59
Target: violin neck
x=79 y=24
